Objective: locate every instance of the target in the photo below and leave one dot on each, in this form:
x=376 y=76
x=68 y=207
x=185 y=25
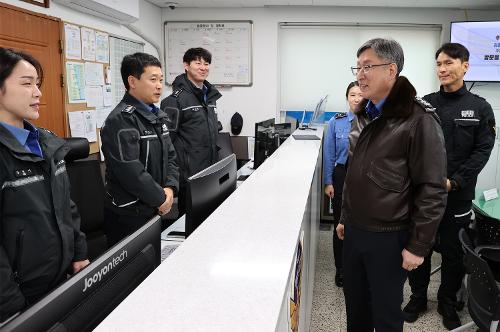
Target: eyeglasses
x=355 y=70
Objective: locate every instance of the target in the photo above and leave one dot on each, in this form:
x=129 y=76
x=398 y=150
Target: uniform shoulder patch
x=340 y=115
x=177 y=92
x=425 y=105
x=128 y=109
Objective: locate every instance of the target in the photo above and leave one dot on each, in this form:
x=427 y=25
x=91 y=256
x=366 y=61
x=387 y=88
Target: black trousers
x=457 y=216
x=117 y=227
x=338 y=187
x=374 y=279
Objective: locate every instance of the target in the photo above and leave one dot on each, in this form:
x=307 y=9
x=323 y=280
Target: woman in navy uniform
x=40 y=237
x=335 y=152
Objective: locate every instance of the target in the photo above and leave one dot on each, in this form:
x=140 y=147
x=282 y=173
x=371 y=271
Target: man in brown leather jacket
x=395 y=189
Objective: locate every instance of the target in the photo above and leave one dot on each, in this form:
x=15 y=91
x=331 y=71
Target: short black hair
x=134 y=64
x=9 y=59
x=349 y=87
x=197 y=53
x=454 y=50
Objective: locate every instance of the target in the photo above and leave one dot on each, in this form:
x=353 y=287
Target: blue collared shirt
x=336 y=145
x=27 y=137
x=374 y=110
x=205 y=92
x=151 y=107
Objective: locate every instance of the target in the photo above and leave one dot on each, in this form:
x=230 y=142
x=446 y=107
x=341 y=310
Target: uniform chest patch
x=147 y=132
x=467 y=114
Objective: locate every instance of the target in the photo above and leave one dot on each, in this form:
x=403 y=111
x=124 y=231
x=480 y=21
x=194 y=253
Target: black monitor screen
x=207 y=189
x=83 y=301
x=268 y=137
x=283 y=130
x=264 y=136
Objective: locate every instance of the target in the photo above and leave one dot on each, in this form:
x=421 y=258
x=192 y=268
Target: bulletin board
x=87 y=81
x=230 y=43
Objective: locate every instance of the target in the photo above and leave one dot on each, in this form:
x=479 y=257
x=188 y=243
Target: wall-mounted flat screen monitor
x=482 y=39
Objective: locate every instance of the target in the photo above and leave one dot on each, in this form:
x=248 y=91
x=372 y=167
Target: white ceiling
x=460 y=4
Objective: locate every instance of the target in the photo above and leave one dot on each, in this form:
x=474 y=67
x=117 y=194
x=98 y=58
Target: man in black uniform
x=141 y=169
x=468 y=126
x=192 y=111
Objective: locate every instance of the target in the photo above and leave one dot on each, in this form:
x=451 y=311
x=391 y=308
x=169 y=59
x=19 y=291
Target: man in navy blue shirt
x=394 y=194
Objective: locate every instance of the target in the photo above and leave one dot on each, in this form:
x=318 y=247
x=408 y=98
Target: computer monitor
x=268 y=137
x=207 y=189
x=84 y=300
x=264 y=136
x=283 y=131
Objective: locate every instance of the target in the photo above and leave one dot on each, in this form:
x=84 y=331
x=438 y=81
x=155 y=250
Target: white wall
x=261 y=100
x=149 y=22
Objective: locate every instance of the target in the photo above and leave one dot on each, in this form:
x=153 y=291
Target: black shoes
x=450 y=317
x=418 y=305
x=339 y=279
x=415 y=306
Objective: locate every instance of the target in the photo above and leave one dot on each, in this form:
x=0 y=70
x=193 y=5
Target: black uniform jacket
x=469 y=132
x=39 y=224
x=140 y=159
x=193 y=125
x=396 y=178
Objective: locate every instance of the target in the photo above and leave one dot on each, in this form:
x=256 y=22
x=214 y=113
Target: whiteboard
x=315 y=60
x=119 y=47
x=230 y=43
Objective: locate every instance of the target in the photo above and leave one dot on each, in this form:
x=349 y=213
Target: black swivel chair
x=482 y=288
x=87 y=191
x=224 y=146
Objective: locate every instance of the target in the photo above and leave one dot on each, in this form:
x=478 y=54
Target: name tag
x=490 y=194
x=467 y=114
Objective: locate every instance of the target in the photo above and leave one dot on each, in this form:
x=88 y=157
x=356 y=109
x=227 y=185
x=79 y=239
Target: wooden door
x=39 y=35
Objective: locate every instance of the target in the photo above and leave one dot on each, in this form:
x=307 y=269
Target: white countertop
x=231 y=273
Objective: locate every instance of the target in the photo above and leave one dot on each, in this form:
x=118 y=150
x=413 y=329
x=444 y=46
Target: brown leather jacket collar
x=399 y=101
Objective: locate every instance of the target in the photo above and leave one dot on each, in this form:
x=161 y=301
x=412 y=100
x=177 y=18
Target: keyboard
x=167 y=250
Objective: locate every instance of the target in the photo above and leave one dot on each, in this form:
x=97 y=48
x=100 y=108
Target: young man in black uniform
x=469 y=130
x=141 y=169
x=192 y=111
x=40 y=237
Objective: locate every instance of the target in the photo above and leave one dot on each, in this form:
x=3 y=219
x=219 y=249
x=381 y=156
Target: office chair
x=224 y=146
x=87 y=191
x=482 y=289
